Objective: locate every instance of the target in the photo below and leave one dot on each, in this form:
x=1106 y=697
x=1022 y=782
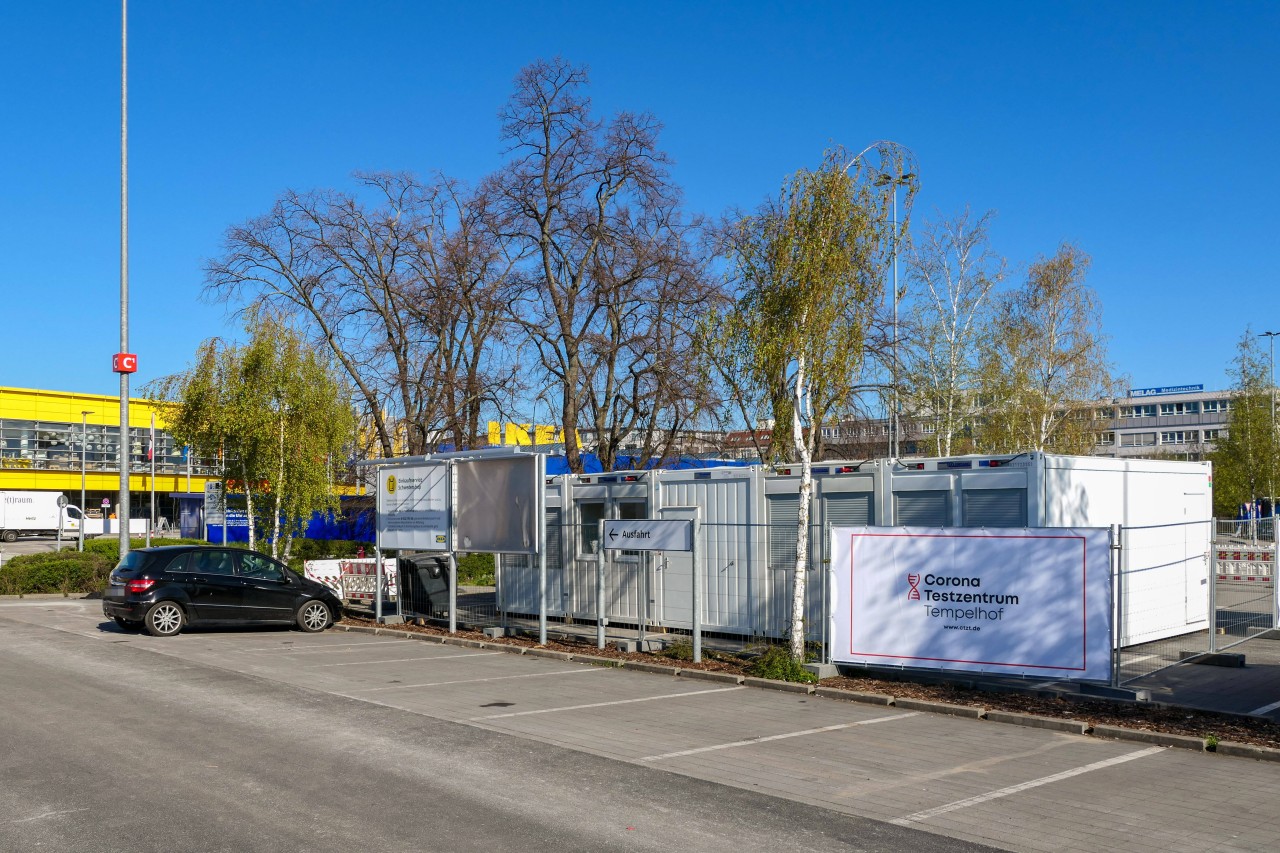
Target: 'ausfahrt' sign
x=646 y=534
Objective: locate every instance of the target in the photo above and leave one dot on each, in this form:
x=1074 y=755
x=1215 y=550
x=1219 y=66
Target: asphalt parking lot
x=1007 y=786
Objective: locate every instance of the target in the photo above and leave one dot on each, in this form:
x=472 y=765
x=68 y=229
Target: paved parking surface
x=1001 y=785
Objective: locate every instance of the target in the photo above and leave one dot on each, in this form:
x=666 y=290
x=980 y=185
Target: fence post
x=1116 y=551
x=1213 y=590
x=600 y=585
x=645 y=563
x=697 y=595
x=453 y=593
x=377 y=585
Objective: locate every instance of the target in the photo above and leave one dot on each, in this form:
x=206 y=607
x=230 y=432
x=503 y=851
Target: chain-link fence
x=1219 y=599
x=1244 y=593
x=1173 y=599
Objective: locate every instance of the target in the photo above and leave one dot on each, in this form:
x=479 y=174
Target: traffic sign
x=106 y=502
x=647 y=534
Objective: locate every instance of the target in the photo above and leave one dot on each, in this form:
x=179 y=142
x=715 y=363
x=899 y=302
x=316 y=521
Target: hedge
x=67 y=572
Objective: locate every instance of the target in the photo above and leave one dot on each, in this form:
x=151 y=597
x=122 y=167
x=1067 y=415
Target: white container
x=1165 y=506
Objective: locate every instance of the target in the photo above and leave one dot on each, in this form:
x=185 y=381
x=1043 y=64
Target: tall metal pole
x=122 y=511
x=893 y=424
x=84 y=444
x=1271 y=445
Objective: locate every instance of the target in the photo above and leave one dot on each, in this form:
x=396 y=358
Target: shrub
x=475 y=570
x=776 y=663
x=108 y=547
x=66 y=572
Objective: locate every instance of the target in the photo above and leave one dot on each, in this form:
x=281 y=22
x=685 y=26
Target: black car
x=164 y=589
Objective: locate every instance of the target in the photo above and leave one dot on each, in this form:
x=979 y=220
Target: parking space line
x=481 y=680
x=607 y=704
x=293 y=650
x=1265 y=709
x=755 y=740
x=400 y=660
x=1025 y=786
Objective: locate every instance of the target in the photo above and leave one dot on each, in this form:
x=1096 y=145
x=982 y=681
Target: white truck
x=37 y=514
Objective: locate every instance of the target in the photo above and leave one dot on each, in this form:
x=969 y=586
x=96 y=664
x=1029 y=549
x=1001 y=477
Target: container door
x=782 y=513
x=624 y=570
x=1196 y=560
x=579 y=581
x=673 y=577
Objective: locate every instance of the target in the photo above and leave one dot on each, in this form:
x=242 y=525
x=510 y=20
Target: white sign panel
x=1004 y=602
x=413 y=508
x=648 y=535
x=215 y=508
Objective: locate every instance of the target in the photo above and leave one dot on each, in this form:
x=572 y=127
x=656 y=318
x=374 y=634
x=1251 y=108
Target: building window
x=1107 y=414
x=1213 y=407
x=1147 y=411
x=1211 y=434
x=1167 y=409
x=1178 y=437
x=1138 y=439
x=1106 y=439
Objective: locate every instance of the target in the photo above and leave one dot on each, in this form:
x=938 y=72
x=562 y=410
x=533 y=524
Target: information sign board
x=215 y=508
x=413 y=507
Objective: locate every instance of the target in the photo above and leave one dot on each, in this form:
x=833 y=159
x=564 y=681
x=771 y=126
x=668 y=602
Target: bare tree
x=952 y=274
x=405 y=295
x=612 y=264
x=1045 y=362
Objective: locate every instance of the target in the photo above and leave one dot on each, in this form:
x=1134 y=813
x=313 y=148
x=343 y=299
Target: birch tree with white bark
x=810 y=269
x=952 y=279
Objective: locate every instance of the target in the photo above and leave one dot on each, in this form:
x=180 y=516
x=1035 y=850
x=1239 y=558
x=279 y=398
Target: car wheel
x=128 y=624
x=9 y=536
x=314 y=616
x=164 y=619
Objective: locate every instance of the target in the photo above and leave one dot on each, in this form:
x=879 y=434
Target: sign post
x=648 y=534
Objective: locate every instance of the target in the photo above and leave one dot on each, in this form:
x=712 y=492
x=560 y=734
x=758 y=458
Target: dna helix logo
x=913 y=594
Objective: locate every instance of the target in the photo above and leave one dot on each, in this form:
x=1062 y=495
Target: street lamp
x=894 y=166
x=1271 y=492
x=84 y=445
x=900 y=179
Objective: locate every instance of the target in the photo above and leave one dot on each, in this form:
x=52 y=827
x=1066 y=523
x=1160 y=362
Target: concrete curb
x=784 y=686
x=706 y=675
x=548 y=653
x=1195 y=744
x=655 y=668
x=970 y=712
x=1075 y=727
x=611 y=663
x=1247 y=750
x=854 y=696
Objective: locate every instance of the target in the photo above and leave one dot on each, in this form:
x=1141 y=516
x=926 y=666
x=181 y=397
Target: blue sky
x=1143 y=132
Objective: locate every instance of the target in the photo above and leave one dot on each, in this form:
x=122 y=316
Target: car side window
x=260 y=568
x=212 y=563
x=178 y=563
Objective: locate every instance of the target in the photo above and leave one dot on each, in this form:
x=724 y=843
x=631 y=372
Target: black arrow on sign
x=613 y=534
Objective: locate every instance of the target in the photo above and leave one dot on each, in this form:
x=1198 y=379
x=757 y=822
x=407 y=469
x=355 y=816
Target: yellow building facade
x=48 y=437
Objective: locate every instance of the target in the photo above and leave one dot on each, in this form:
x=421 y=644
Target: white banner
x=1005 y=602
x=413 y=508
